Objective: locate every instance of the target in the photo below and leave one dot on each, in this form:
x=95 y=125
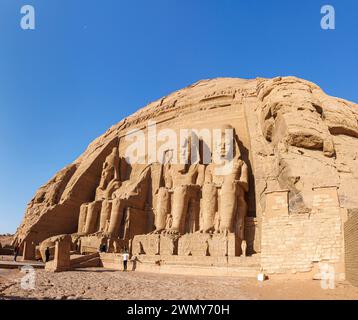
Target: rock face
x=292 y=143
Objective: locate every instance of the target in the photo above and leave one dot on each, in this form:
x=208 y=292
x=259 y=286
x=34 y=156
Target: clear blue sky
x=90 y=63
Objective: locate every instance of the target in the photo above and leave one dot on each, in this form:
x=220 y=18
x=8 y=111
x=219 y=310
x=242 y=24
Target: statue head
x=184 y=154
x=168 y=157
x=227 y=143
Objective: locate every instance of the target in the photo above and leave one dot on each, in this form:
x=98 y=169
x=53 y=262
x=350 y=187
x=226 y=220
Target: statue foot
x=157 y=231
x=210 y=230
x=172 y=231
x=223 y=232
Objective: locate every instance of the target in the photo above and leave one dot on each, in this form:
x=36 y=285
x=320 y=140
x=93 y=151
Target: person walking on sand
x=125 y=257
x=16 y=252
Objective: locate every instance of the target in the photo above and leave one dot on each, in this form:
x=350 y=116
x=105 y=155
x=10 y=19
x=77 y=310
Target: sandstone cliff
x=293 y=137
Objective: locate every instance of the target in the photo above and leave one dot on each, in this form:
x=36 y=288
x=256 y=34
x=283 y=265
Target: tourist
x=47 y=254
x=125 y=259
x=103 y=248
x=16 y=252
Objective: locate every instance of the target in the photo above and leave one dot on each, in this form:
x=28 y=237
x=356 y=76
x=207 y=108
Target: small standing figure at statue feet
x=103 y=248
x=125 y=257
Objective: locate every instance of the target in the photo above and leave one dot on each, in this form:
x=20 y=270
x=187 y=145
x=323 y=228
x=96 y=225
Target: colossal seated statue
x=209 y=203
x=164 y=197
x=186 y=187
x=223 y=192
x=133 y=193
x=233 y=199
x=177 y=204
x=91 y=213
x=105 y=215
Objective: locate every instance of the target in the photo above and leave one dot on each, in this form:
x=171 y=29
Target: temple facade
x=273 y=195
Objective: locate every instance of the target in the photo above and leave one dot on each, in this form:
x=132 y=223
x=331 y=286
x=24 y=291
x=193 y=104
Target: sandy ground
x=96 y=283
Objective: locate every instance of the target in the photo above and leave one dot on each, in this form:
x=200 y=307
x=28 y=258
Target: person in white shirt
x=125 y=257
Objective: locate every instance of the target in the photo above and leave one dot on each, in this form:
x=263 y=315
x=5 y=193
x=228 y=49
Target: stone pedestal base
x=193 y=244
x=61 y=260
x=215 y=245
x=29 y=252
x=195 y=265
x=155 y=244
x=90 y=244
x=146 y=244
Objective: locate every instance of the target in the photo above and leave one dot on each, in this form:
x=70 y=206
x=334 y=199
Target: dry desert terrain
x=101 y=284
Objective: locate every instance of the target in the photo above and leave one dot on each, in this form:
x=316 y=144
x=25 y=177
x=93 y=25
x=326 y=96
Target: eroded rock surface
x=289 y=135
